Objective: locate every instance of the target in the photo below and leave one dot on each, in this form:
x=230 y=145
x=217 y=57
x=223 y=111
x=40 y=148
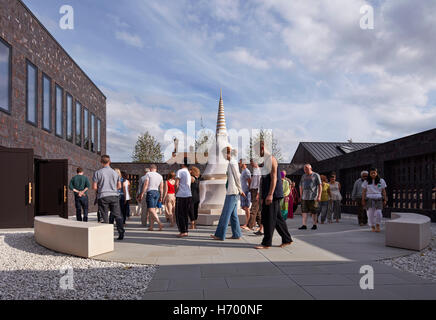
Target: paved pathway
x=322 y=264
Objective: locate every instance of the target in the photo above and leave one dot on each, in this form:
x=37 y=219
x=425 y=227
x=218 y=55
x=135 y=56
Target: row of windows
x=89 y=122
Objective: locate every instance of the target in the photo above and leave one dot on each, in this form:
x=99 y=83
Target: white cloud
x=284 y=63
x=117 y=21
x=243 y=56
x=226 y=9
x=130 y=39
x=323 y=78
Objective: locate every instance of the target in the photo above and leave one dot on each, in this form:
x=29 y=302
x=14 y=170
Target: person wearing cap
x=356 y=195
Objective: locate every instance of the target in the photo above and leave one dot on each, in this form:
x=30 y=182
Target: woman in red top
x=170 y=197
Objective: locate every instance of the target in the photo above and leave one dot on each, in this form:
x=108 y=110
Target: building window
x=46 y=103
x=59 y=111
x=69 y=118
x=98 y=136
x=78 y=124
x=92 y=132
x=85 y=129
x=32 y=94
x=5 y=76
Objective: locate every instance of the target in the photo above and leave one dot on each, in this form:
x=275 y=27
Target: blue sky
x=302 y=68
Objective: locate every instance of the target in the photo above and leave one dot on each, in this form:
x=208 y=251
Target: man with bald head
x=271 y=192
x=310 y=190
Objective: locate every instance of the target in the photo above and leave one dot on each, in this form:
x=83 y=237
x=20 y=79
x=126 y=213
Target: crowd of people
x=266 y=195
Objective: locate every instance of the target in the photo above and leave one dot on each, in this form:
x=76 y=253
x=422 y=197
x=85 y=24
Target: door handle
x=65 y=194
x=30 y=193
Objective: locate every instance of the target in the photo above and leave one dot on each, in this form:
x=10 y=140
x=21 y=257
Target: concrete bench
x=82 y=239
x=408 y=231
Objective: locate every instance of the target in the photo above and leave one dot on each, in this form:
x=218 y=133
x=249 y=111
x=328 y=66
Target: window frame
x=9 y=110
x=92 y=137
x=44 y=76
x=66 y=117
x=86 y=126
x=98 y=136
x=57 y=86
x=81 y=124
x=29 y=63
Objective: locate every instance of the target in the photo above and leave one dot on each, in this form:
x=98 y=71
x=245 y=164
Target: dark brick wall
x=418 y=152
x=30 y=40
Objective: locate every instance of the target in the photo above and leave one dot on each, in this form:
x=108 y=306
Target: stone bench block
x=82 y=239
x=408 y=231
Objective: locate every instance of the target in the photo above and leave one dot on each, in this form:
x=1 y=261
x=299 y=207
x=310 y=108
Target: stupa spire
x=221 y=128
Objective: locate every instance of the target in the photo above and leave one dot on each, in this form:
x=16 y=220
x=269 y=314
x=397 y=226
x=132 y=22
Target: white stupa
x=213 y=185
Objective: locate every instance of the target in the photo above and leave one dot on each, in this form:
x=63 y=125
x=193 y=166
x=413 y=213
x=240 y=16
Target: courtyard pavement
x=322 y=264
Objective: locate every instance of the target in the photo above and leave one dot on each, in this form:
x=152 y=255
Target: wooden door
x=52 y=188
x=16 y=188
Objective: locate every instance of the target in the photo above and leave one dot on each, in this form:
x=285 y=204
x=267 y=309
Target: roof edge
x=60 y=46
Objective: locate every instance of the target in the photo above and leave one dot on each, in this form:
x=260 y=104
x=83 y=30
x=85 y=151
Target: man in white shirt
x=183 y=198
x=153 y=185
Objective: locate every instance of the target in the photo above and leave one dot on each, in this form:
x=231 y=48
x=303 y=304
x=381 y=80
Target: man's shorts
x=152 y=198
x=245 y=202
x=309 y=206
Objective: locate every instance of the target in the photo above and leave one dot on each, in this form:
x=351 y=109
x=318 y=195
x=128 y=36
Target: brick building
x=52 y=120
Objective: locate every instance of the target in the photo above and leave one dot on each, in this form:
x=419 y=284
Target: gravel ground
x=423 y=263
x=29 y=271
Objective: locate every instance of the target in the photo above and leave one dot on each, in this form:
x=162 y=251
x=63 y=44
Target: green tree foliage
x=265 y=135
x=147 y=149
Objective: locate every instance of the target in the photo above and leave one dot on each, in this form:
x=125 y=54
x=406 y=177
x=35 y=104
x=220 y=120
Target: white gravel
x=31 y=272
x=423 y=263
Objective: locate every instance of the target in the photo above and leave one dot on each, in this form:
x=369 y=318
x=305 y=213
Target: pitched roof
x=326 y=150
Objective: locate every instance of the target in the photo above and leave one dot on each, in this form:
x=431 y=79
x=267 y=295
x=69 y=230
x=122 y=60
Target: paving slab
x=174 y=295
x=379 y=278
x=260 y=282
x=158 y=285
x=321 y=280
x=271 y=293
x=322 y=264
x=350 y=293
x=197 y=284
x=413 y=291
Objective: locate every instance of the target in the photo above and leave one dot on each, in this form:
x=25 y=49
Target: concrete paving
x=321 y=264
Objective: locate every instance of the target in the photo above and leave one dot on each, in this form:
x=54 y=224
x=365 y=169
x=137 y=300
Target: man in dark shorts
x=310 y=191
x=153 y=191
x=107 y=183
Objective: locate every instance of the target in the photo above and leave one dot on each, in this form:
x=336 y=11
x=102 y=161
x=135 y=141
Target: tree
x=204 y=140
x=265 y=135
x=147 y=149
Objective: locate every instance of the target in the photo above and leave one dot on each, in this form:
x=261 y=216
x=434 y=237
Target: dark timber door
x=16 y=188
x=51 y=188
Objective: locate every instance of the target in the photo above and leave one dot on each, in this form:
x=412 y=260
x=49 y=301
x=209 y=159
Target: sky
x=305 y=69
